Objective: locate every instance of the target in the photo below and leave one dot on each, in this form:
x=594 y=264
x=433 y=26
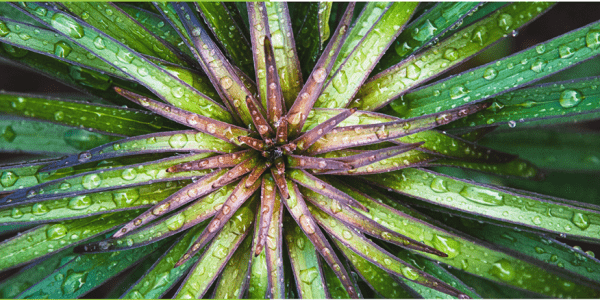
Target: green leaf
x=545 y=101
x=516 y=167
x=119 y=25
x=464 y=253
x=157 y=25
x=430 y=25
x=110 y=119
x=509 y=73
x=233 y=279
x=222 y=24
x=112 y=178
x=259 y=276
x=45 y=239
x=284 y=48
x=215 y=257
x=378 y=279
x=309 y=22
x=306 y=265
x=87 y=205
x=162 y=276
x=31 y=136
x=397 y=80
x=28 y=276
x=360 y=61
x=153 y=77
x=554 y=216
x=86 y=272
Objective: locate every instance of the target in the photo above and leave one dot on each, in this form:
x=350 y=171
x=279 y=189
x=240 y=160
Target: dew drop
x=16 y=213
x=451 y=54
x=221 y=251
x=565 y=51
x=319 y=75
x=490 y=73
x=80 y=202
x=91 y=181
x=505 y=21
x=503 y=270
x=446 y=245
x=581 y=220
x=457 y=92
x=84 y=156
x=482 y=196
x=4 y=30
x=39 y=209
x=56 y=231
x=592 y=39
x=226 y=82
x=178 y=140
x=538 y=66
x=308 y=275
x=66 y=24
x=129 y=174
x=438 y=185
x=340 y=82
x=306 y=224
x=8 y=178
x=62 y=49
x=73 y=282
x=570 y=98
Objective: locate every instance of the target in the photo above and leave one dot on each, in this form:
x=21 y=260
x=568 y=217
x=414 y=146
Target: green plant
x=271 y=175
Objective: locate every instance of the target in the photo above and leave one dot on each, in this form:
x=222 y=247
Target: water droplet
x=9 y=134
x=536 y=220
x=62 y=49
x=581 y=220
x=446 y=245
x=482 y=195
x=538 y=66
x=458 y=91
x=413 y=71
x=67 y=25
x=56 y=231
x=178 y=140
x=80 y=202
x=300 y=243
x=124 y=55
x=84 y=156
x=340 y=82
x=221 y=251
x=226 y=82
x=565 y=51
x=410 y=273
x=39 y=209
x=73 y=282
x=4 y=30
x=490 y=73
x=451 y=54
x=424 y=32
x=592 y=39
x=91 y=181
x=438 y=185
x=308 y=275
x=540 y=49
x=570 y=98
x=512 y=124
x=505 y=21
x=319 y=75
x=347 y=234
x=125 y=199
x=129 y=174
x=8 y=178
x=99 y=43
x=177 y=92
x=306 y=224
x=59 y=115
x=503 y=270
x=480 y=35
x=16 y=213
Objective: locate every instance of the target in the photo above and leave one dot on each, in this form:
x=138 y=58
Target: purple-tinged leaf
x=275 y=104
x=371 y=157
x=359 y=135
x=281 y=182
x=409 y=159
x=299 y=211
x=256 y=173
x=282 y=131
x=182 y=197
x=315 y=163
x=259 y=31
x=239 y=196
x=299 y=111
x=162 y=142
x=259 y=121
x=268 y=197
x=195 y=214
x=364 y=247
x=305 y=262
x=233 y=282
x=363 y=224
x=274 y=251
x=220 y=161
x=218 y=129
x=215 y=257
x=313 y=183
x=312 y=136
x=253 y=143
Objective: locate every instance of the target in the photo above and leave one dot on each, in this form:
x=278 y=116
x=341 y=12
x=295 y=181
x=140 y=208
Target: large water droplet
x=62 y=49
x=482 y=195
x=91 y=181
x=129 y=174
x=565 y=51
x=538 y=66
x=8 y=178
x=73 y=282
x=458 y=91
x=39 y=209
x=438 y=185
x=4 y=30
x=480 y=35
x=503 y=270
x=80 y=202
x=451 y=54
x=424 y=32
x=9 y=134
x=410 y=273
x=581 y=220
x=67 y=25
x=125 y=199
x=16 y=213
x=340 y=82
x=175 y=222
x=178 y=140
x=505 y=21
x=446 y=245
x=56 y=231
x=308 y=275
x=125 y=55
x=99 y=43
x=319 y=75
x=570 y=98
x=592 y=39
x=221 y=251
